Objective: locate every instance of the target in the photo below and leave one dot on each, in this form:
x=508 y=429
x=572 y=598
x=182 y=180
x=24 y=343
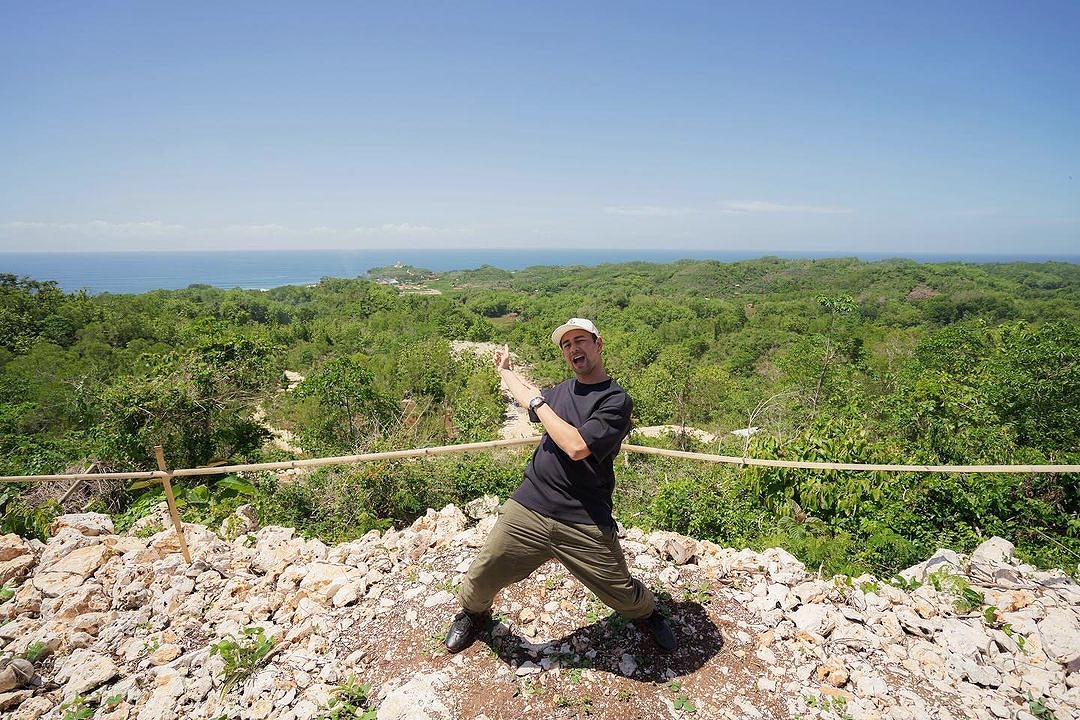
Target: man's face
x=581 y=351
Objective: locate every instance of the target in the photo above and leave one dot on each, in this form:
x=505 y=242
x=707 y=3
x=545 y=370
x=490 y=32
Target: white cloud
x=647 y=211
x=761 y=206
x=396 y=229
x=264 y=230
x=95 y=229
x=975 y=212
x=23 y=236
x=1056 y=220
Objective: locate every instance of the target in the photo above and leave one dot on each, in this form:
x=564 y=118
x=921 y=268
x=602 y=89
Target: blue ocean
x=137 y=272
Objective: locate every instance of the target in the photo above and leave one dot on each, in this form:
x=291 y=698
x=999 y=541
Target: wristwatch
x=533 y=404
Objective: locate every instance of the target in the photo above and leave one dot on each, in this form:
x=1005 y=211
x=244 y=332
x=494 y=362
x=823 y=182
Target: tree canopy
x=837 y=359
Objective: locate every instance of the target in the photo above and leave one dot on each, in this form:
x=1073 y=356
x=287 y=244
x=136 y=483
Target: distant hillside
x=407 y=274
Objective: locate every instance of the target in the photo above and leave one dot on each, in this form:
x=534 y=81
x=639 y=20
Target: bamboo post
x=78 y=483
x=166 y=482
x=71 y=489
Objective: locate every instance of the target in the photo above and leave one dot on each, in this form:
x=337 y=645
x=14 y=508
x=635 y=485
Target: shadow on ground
x=614 y=639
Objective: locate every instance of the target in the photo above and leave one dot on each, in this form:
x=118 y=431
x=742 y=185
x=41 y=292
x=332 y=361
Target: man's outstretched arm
x=565 y=435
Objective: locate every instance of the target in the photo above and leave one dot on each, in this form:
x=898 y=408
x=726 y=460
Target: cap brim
x=556 y=337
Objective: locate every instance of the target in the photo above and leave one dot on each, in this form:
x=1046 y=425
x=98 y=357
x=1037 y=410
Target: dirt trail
x=281 y=439
x=516 y=420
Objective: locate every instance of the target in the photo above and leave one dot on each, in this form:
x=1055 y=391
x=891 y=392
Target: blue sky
x=785 y=126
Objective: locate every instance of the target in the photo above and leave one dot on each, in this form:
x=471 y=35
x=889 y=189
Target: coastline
x=133 y=272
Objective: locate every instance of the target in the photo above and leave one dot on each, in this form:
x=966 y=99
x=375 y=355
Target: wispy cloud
x=762 y=206
x=1056 y=220
x=647 y=211
x=395 y=229
x=975 y=212
x=23 y=235
x=259 y=230
x=97 y=228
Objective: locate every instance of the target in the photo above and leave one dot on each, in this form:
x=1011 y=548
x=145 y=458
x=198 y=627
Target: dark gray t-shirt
x=579 y=491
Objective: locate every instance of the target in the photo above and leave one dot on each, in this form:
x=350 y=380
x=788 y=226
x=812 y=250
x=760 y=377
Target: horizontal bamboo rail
x=811 y=465
x=284 y=465
x=165 y=476
x=471 y=447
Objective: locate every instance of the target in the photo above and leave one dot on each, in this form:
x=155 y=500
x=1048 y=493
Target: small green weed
x=583 y=703
x=36 y=651
x=7 y=591
x=1017 y=638
x=553 y=580
x=964 y=598
x=684 y=704
x=596 y=610
x=230 y=527
x=833 y=704
x=350 y=701
x=149 y=530
x=450 y=586
x=899 y=581
x=528 y=688
x=435 y=646
x=242 y=656
x=150 y=646
x=78 y=708
x=702 y=595
x=1038 y=708
x=681 y=701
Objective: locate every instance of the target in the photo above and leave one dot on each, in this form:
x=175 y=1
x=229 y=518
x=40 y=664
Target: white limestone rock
x=1060 y=634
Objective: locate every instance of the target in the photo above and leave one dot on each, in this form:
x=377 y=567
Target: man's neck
x=597 y=376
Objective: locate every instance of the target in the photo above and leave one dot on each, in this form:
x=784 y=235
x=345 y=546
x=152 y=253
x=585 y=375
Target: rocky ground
x=118 y=627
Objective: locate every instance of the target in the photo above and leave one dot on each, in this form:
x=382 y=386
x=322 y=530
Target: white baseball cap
x=573 y=324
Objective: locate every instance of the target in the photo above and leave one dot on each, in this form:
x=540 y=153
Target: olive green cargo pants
x=523 y=540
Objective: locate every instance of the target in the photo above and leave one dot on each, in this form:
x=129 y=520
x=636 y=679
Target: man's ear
x=599 y=344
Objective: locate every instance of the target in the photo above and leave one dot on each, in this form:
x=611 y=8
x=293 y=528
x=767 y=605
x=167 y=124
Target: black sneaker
x=464 y=629
x=656 y=627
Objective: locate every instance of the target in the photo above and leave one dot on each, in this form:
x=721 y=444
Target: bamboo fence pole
x=811 y=465
x=140 y=475
x=159 y=453
x=284 y=465
x=74 y=486
x=367 y=457
x=162 y=475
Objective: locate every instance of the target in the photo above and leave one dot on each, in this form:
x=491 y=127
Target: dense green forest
x=834 y=360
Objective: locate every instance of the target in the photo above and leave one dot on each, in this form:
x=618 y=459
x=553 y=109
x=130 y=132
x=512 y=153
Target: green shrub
x=821 y=549
x=706 y=503
x=328 y=504
x=21 y=518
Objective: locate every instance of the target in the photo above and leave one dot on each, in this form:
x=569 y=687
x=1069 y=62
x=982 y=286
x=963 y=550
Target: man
x=562 y=509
